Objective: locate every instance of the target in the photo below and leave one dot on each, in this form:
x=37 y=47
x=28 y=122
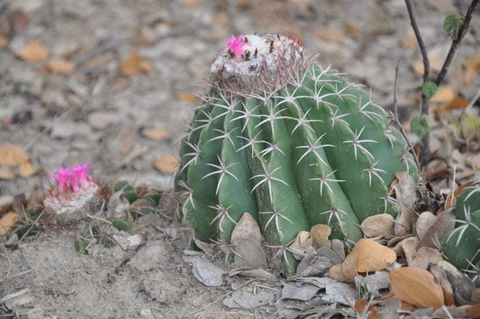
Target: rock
x=101 y=120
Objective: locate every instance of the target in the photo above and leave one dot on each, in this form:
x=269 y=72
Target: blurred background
x=112 y=81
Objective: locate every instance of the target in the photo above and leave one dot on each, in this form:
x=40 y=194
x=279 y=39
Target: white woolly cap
x=254 y=65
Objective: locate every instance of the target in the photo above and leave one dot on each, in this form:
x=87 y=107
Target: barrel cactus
x=462 y=247
x=289 y=142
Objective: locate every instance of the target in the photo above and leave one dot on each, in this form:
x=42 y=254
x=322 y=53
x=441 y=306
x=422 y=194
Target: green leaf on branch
x=429 y=89
x=452 y=24
x=419 y=125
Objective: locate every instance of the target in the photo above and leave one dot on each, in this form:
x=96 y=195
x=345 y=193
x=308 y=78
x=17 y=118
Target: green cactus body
x=462 y=247
x=289 y=142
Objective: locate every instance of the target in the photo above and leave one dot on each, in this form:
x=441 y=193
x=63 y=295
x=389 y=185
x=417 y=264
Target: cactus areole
x=289 y=142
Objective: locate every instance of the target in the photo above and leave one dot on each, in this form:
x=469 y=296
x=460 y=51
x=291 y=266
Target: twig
x=426 y=63
x=461 y=33
x=421 y=44
x=396 y=119
x=426 y=66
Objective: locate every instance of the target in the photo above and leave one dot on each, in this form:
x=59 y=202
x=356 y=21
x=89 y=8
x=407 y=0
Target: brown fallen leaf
x=302 y=245
x=472 y=68
x=7 y=222
x=3 y=41
x=155 y=135
x=134 y=65
x=25 y=169
x=167 y=164
x=186 y=97
x=19 y=21
x=444 y=95
x=6 y=174
x=367 y=256
x=247 y=244
x=12 y=155
x=145 y=36
x=473 y=311
x=458 y=103
x=320 y=234
x=424 y=222
x=62 y=67
x=426 y=256
x=363 y=307
x=409 y=248
x=33 y=51
x=408 y=40
x=436 y=63
x=336 y=273
x=330 y=34
x=417 y=287
x=381 y=225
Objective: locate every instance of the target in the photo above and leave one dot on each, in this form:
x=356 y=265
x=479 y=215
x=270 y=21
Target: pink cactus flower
x=62 y=179
x=72 y=179
x=80 y=175
x=235 y=46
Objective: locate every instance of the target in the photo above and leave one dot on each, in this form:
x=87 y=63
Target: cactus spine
x=288 y=141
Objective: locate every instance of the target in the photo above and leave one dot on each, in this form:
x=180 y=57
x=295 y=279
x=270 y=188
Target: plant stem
x=461 y=33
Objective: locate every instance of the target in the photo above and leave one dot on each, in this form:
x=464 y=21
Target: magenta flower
x=62 y=179
x=235 y=46
x=80 y=175
x=72 y=179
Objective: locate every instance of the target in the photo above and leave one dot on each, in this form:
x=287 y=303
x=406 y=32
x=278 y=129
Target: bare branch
x=463 y=30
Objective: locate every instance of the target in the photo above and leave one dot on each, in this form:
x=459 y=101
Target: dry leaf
x=145 y=36
x=320 y=234
x=6 y=174
x=330 y=34
x=409 y=41
x=62 y=67
x=33 y=51
x=353 y=29
x=247 y=241
x=472 y=68
x=7 y=222
x=155 y=135
x=19 y=21
x=190 y=3
x=363 y=306
x=448 y=297
x=409 y=248
x=367 y=256
x=381 y=225
x=12 y=155
x=167 y=164
x=336 y=273
x=186 y=97
x=457 y=103
x=302 y=245
x=473 y=311
x=426 y=256
x=424 y=222
x=417 y=287
x=444 y=95
x=3 y=41
x=442 y=227
x=219 y=19
x=26 y=170
x=134 y=64
x=436 y=63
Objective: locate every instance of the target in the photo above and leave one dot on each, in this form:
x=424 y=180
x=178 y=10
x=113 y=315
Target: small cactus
x=462 y=246
x=74 y=194
x=288 y=141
